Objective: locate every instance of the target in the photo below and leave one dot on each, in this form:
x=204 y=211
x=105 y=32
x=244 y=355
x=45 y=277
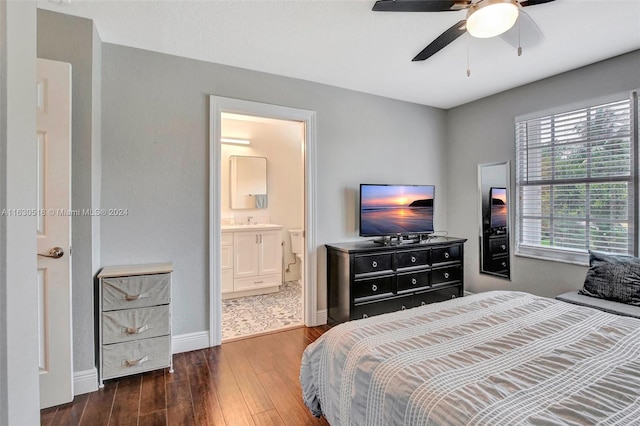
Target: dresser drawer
x=440 y=295
x=372 y=287
x=403 y=303
x=370 y=309
x=133 y=324
x=122 y=359
x=498 y=246
x=412 y=281
x=445 y=254
x=136 y=291
x=446 y=275
x=496 y=264
x=253 y=283
x=408 y=259
x=373 y=263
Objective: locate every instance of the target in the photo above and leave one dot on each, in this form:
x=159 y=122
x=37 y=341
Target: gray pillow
x=613 y=277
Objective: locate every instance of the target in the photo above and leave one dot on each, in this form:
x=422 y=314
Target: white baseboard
x=468 y=293
x=200 y=339
x=190 y=341
x=85 y=381
x=321 y=317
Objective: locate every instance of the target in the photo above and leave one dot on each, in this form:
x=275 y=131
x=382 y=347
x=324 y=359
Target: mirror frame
x=494 y=242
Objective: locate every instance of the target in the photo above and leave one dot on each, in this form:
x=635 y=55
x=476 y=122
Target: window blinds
x=575 y=182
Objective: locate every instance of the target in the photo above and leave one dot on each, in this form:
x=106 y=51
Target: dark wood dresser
x=366 y=279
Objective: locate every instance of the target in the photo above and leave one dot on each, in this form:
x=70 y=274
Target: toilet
x=297 y=248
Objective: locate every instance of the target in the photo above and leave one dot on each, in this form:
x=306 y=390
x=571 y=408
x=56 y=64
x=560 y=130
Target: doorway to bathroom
x=262 y=219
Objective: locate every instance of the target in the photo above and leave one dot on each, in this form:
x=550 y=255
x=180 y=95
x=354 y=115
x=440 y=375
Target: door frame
x=218 y=105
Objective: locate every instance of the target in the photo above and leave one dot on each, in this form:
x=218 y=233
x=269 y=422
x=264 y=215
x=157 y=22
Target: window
x=576 y=182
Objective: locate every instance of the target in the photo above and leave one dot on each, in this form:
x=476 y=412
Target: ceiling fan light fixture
x=490 y=18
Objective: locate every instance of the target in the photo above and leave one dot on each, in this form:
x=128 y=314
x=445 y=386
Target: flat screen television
x=498 y=212
x=396 y=209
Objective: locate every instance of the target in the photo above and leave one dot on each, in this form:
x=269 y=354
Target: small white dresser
x=135 y=320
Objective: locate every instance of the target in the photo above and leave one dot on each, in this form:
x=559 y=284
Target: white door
x=54 y=232
x=270 y=252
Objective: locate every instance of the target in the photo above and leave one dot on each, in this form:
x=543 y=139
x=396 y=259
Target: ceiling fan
x=485 y=18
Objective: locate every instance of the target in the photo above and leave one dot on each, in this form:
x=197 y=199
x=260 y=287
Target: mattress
x=494 y=358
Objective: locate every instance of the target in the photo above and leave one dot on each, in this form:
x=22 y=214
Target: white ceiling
x=343 y=43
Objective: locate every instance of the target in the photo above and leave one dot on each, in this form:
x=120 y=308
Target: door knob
x=55 y=253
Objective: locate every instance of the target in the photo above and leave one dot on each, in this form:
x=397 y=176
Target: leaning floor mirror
x=494 y=226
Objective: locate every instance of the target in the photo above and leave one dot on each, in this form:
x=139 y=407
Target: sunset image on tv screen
x=396 y=209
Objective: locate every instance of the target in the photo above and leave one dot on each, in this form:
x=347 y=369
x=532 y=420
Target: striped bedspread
x=495 y=358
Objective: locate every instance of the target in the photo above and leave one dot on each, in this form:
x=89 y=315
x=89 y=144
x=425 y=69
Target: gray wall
x=74 y=40
x=483 y=132
x=155 y=136
x=19 y=395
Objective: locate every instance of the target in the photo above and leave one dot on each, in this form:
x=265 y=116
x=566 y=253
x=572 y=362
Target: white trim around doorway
x=218 y=105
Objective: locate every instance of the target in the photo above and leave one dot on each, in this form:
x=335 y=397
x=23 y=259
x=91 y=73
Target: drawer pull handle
x=446 y=255
x=258 y=282
x=423 y=303
x=136 y=362
x=374 y=264
x=134 y=297
x=413 y=259
x=374 y=287
x=446 y=275
x=504 y=264
x=134 y=330
x=365 y=316
x=503 y=247
x=414 y=281
x=453 y=297
x=404 y=308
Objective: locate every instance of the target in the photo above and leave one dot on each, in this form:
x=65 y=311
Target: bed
x=494 y=358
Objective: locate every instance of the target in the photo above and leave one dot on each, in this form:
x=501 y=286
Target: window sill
x=578 y=258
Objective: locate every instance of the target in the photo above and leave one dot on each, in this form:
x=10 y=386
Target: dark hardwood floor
x=246 y=382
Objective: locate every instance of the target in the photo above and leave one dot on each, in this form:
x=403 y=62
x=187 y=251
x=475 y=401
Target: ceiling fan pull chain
x=519 y=42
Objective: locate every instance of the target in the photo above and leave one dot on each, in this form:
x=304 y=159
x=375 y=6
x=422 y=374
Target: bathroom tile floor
x=250 y=315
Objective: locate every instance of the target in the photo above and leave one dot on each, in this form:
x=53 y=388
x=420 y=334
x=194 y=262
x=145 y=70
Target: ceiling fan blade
x=415 y=5
x=443 y=40
x=525 y=3
x=525 y=32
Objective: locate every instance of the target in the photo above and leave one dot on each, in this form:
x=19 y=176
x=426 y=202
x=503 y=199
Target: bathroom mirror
x=493 y=187
x=248 y=177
